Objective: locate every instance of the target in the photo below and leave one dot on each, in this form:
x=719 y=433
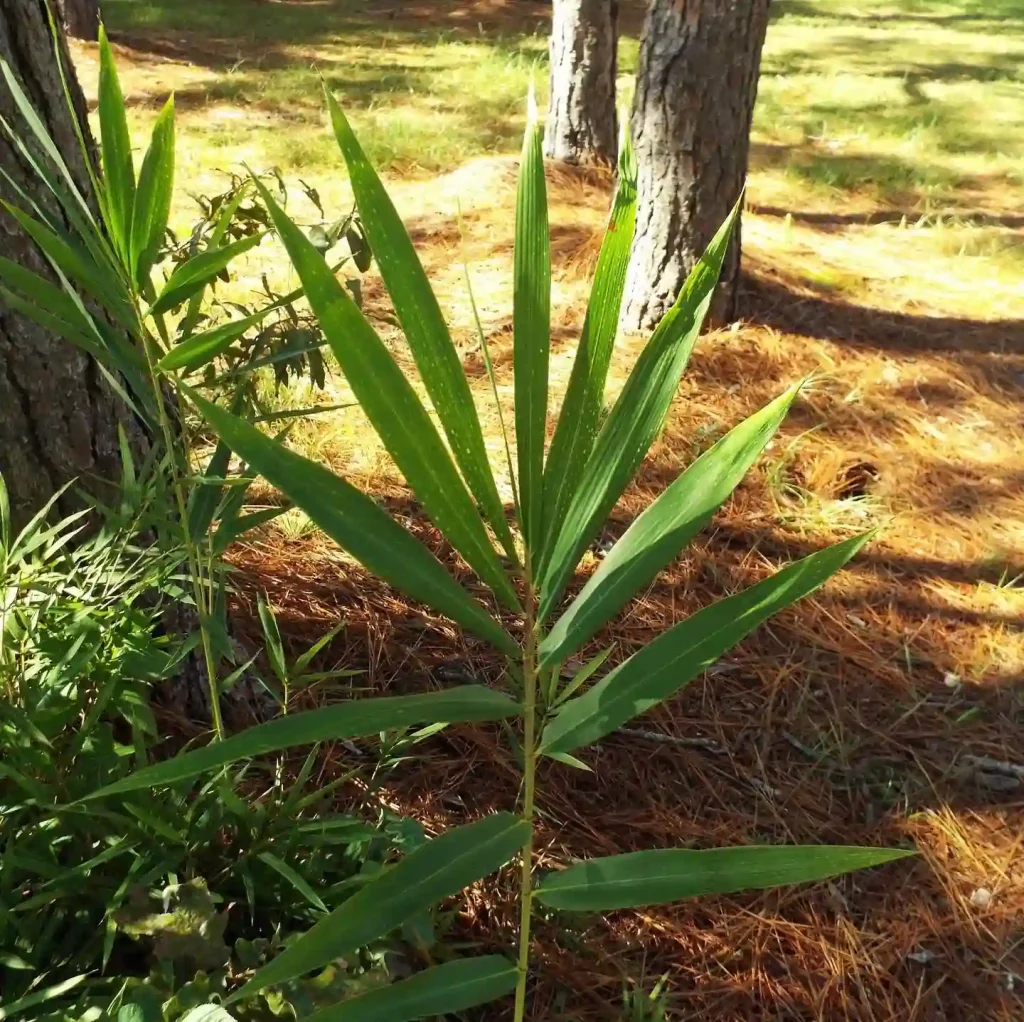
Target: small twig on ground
x=704 y=744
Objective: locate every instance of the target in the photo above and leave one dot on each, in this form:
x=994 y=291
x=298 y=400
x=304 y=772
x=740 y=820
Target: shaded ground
x=884 y=251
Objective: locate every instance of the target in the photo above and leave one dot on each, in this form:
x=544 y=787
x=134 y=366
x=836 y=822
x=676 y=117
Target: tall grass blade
x=153 y=197
x=634 y=421
x=330 y=723
x=672 y=660
x=392 y=405
x=439 y=991
x=424 y=326
x=115 y=151
x=664 y=529
x=436 y=870
x=531 y=328
x=358 y=524
x=581 y=409
x=670 y=874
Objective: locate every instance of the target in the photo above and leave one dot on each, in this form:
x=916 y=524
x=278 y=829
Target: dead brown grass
x=850 y=718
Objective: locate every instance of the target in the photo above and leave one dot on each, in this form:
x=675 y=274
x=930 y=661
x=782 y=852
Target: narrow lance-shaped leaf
x=358 y=524
x=353 y=719
x=634 y=421
x=96 y=279
x=115 y=150
x=436 y=870
x=392 y=405
x=192 y=276
x=669 y=874
x=153 y=197
x=439 y=991
x=74 y=203
x=425 y=330
x=581 y=409
x=667 y=664
x=199 y=349
x=531 y=329
x=664 y=529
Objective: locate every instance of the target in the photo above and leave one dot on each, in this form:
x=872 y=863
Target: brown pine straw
x=850 y=718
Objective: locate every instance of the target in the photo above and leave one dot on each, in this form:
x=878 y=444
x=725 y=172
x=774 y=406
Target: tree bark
x=696 y=86
x=582 y=125
x=81 y=18
x=58 y=417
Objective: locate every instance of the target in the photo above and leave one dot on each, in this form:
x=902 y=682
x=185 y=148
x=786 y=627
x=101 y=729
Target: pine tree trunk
x=81 y=18
x=696 y=86
x=58 y=417
x=582 y=125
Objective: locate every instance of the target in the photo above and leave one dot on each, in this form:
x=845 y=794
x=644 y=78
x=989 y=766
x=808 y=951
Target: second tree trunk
x=696 y=85
x=581 y=125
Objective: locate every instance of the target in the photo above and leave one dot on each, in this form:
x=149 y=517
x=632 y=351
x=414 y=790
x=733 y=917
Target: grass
x=884 y=252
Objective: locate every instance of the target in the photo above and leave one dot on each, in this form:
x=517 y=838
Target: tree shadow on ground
x=774 y=303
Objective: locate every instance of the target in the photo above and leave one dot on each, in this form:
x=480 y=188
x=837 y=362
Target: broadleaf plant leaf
x=434 y=871
x=659 y=876
x=439 y=991
x=352 y=719
x=677 y=656
x=423 y=324
x=578 y=419
x=635 y=420
x=392 y=406
x=531 y=328
x=663 y=529
x=357 y=523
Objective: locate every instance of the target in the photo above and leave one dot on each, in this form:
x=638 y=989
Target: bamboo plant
x=563 y=494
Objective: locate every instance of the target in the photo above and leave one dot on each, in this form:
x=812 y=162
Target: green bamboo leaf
x=670 y=874
x=94 y=277
x=434 y=871
x=192 y=276
x=531 y=329
x=439 y=991
x=56 y=301
x=392 y=405
x=71 y=199
x=667 y=664
x=663 y=530
x=416 y=307
x=115 y=151
x=196 y=351
x=578 y=420
x=76 y=332
x=634 y=421
x=353 y=719
x=357 y=523
x=153 y=198
x=294 y=878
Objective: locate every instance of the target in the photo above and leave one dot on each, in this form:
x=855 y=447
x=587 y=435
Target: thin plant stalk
x=194 y=560
x=529 y=789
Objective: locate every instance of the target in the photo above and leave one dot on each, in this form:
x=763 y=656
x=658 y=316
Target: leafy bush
x=563 y=494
